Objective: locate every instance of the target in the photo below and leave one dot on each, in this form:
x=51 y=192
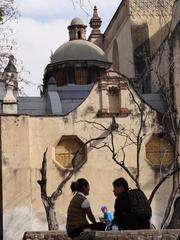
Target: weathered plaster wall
x=120 y=29
x=157 y=18
x=160 y=68
x=24 y=140
x=166 y=62
x=16 y=175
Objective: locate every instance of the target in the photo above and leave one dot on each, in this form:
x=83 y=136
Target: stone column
x=9 y=105
x=124 y=99
x=104 y=105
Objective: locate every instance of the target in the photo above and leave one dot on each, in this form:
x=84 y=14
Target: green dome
x=76 y=21
x=78 y=50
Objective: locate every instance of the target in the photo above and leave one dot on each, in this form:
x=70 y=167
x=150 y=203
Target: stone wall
x=171 y=234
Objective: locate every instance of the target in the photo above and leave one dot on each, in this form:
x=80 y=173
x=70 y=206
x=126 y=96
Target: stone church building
x=96 y=87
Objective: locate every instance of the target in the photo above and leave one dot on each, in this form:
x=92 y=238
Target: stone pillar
x=124 y=98
x=9 y=105
x=104 y=105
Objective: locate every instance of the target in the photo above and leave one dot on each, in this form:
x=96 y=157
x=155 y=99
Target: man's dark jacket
x=123 y=217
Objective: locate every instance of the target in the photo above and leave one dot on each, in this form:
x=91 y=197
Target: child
x=107 y=217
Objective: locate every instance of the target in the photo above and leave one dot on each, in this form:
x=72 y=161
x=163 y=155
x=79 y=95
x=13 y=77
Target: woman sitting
x=79 y=208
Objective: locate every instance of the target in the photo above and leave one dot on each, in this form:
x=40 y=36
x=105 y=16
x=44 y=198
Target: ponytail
x=77 y=186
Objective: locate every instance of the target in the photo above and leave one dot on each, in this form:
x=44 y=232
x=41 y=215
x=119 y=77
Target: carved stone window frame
x=165 y=151
x=63 y=165
x=112 y=86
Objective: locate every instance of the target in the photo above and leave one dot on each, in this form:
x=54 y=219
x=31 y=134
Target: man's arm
x=122 y=206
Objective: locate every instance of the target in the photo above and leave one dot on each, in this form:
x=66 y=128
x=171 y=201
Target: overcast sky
x=42 y=28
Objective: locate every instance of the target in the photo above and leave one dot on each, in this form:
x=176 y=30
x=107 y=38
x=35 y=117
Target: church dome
x=77 y=62
x=78 y=50
x=76 y=21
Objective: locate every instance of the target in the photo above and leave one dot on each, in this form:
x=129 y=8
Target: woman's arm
x=90 y=214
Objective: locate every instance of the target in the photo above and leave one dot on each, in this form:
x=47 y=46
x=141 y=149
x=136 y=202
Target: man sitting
x=123 y=217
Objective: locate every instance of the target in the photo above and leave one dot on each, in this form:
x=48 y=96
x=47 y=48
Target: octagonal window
x=159 y=152
x=66 y=149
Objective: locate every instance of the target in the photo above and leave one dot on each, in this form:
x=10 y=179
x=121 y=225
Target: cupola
x=77 y=29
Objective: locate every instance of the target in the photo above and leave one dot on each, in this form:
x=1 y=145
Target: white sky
x=42 y=27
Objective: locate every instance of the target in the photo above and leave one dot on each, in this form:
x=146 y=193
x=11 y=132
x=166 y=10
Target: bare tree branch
x=43 y=181
x=161 y=182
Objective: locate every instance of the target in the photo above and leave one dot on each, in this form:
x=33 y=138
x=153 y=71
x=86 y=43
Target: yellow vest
x=76 y=215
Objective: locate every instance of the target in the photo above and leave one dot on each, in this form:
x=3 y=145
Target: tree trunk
x=51 y=214
x=51 y=218
x=175 y=219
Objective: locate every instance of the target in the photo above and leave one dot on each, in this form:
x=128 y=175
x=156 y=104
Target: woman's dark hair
x=121 y=182
x=78 y=185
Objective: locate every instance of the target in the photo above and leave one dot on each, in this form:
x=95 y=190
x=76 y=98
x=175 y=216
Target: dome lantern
x=77 y=29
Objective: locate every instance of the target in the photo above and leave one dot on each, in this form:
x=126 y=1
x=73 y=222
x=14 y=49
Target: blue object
x=108 y=215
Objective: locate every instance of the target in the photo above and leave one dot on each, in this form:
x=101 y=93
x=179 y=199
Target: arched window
x=79 y=35
x=115 y=56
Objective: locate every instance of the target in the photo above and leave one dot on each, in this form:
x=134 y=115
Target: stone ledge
x=166 y=234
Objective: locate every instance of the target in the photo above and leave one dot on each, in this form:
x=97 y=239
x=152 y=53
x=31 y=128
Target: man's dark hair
x=121 y=182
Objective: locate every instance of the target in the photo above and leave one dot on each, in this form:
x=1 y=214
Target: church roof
x=78 y=50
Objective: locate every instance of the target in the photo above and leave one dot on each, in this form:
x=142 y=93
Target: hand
x=101 y=219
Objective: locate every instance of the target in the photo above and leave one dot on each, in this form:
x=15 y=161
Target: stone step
x=166 y=234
